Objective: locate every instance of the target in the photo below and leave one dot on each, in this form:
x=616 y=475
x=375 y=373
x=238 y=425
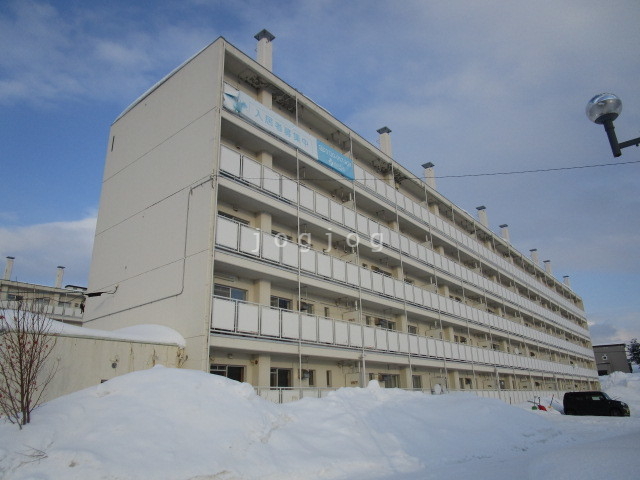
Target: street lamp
x=603 y=109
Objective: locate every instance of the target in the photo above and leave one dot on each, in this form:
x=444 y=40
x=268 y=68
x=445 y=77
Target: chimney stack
x=505 y=232
x=385 y=140
x=429 y=174
x=547 y=266
x=566 y=281
x=482 y=215
x=59 y=276
x=265 y=51
x=534 y=256
x=9 y=268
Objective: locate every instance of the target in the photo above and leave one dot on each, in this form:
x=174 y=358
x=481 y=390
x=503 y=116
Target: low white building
x=85 y=357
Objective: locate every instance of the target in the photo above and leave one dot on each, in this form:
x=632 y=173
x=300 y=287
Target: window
x=326 y=312
x=282 y=235
x=230 y=371
x=234 y=218
x=310 y=376
x=306 y=307
x=417 y=381
x=389 y=380
x=11 y=296
x=278 y=302
x=229 y=292
x=384 y=323
x=281 y=377
x=328 y=378
x=412 y=329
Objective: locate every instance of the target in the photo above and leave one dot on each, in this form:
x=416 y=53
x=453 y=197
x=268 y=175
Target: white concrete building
x=64 y=304
x=293 y=254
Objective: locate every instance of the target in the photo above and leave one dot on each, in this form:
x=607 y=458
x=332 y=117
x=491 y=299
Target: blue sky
x=472 y=86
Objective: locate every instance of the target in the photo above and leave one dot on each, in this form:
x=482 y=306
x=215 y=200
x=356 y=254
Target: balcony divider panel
x=251 y=171
x=306 y=197
x=290 y=254
x=230 y=161
x=289 y=189
x=224 y=315
x=290 y=324
x=325 y=330
x=270 y=249
x=271 y=180
x=309 y=327
x=323 y=264
x=269 y=321
x=369 y=337
x=322 y=205
x=249 y=240
x=227 y=233
x=338 y=268
x=355 y=335
x=248 y=318
x=341 y=333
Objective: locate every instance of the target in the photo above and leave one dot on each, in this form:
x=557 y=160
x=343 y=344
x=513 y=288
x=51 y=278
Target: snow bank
x=140 y=333
x=189 y=425
x=625 y=387
x=175 y=424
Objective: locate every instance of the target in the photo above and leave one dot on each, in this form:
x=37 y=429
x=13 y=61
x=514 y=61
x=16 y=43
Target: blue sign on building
x=255 y=112
x=335 y=160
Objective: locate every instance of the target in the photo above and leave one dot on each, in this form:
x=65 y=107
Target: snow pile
x=188 y=425
x=141 y=333
x=625 y=387
x=138 y=333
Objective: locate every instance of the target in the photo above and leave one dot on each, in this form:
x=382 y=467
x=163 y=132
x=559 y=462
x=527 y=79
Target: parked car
x=593 y=403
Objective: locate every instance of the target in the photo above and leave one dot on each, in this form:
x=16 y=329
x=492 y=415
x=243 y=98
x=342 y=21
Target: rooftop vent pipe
x=265 y=50
x=9 y=268
x=504 y=232
x=482 y=215
x=385 y=140
x=429 y=174
x=534 y=256
x=59 y=276
x=547 y=266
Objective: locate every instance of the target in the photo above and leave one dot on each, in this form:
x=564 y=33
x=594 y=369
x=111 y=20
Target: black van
x=593 y=403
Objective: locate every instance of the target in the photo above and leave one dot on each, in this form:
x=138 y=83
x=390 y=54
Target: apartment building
x=64 y=304
x=293 y=254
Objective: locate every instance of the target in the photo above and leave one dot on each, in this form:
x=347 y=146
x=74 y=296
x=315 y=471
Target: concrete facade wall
x=154 y=249
x=82 y=362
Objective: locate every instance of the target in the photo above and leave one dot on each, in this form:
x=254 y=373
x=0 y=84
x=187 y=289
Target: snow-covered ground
x=186 y=425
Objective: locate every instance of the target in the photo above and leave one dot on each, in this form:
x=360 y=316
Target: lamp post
x=603 y=109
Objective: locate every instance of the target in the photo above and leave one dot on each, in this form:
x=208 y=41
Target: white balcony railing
x=285 y=189
x=257 y=244
x=261 y=321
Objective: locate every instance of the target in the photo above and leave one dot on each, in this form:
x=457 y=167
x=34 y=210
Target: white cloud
x=39 y=249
